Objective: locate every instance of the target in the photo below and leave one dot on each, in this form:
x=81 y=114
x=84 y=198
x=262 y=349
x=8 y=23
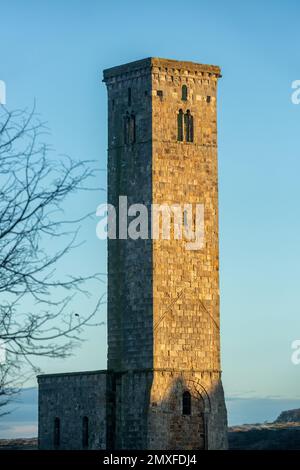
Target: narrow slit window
x=189 y=126
x=85 y=432
x=126 y=128
x=56 y=436
x=186 y=403
x=132 y=129
x=180 y=126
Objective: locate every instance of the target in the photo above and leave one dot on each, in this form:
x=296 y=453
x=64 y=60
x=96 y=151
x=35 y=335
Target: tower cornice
x=161 y=66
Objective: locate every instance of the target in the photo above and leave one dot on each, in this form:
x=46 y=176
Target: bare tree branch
x=33 y=190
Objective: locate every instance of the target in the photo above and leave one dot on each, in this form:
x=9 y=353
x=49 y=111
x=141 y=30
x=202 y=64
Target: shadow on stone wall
x=171 y=428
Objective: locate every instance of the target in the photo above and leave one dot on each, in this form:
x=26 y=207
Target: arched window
x=189 y=126
x=85 y=432
x=56 y=432
x=184 y=92
x=180 y=126
x=186 y=403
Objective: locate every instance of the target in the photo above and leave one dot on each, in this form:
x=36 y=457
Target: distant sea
x=22 y=419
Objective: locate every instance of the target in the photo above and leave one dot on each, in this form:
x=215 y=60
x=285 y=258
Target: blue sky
x=54 y=52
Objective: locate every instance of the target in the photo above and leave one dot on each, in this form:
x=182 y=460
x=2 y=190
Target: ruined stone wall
x=70 y=397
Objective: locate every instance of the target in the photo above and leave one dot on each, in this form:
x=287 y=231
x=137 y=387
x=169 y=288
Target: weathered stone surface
x=71 y=397
x=163 y=305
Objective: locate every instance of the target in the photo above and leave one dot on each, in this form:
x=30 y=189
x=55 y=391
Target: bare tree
x=37 y=316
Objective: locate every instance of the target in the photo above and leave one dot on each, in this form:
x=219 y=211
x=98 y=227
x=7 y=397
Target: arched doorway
x=187 y=427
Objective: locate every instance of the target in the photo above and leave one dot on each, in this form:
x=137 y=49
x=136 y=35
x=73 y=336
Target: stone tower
x=165 y=389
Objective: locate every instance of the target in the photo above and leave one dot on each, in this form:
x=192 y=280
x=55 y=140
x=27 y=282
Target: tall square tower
x=163 y=298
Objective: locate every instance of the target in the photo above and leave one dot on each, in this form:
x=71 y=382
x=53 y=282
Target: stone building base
x=132 y=410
